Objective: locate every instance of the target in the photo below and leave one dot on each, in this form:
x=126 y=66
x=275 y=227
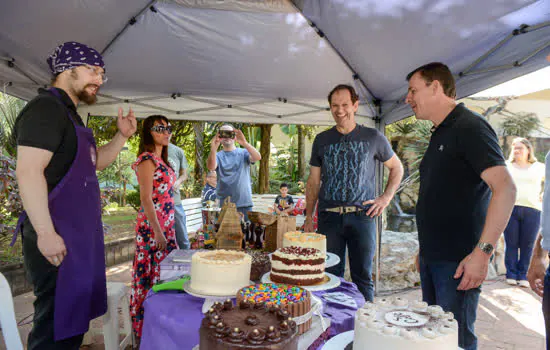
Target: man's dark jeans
x=439 y=288
x=358 y=232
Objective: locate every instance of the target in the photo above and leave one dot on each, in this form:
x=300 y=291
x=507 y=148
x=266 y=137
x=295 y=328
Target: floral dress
x=146 y=268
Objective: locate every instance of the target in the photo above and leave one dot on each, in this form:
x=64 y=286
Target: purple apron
x=75 y=209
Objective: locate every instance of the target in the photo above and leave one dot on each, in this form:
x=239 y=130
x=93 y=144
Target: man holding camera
x=232 y=165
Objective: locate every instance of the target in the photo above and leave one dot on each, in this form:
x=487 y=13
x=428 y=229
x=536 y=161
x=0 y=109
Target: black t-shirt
x=44 y=124
x=348 y=165
x=453 y=199
x=284 y=202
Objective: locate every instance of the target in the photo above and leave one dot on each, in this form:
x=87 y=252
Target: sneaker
x=524 y=284
x=511 y=282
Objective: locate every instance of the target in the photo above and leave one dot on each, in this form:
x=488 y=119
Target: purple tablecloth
x=172 y=319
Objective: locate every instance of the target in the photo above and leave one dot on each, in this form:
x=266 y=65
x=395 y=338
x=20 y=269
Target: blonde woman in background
x=524 y=224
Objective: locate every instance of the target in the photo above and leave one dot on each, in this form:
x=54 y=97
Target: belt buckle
x=348 y=209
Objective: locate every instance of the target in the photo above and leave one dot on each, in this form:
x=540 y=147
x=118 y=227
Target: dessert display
x=298 y=266
x=261 y=264
x=220 y=272
x=394 y=323
x=305 y=240
x=292 y=299
x=248 y=325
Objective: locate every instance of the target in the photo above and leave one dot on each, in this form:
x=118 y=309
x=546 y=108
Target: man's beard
x=87 y=98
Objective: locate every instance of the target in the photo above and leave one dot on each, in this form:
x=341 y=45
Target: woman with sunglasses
x=155 y=233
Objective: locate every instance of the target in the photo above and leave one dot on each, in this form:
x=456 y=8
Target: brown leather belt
x=344 y=209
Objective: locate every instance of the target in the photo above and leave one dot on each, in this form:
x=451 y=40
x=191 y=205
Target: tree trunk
x=301 y=153
x=265 y=151
x=198 y=129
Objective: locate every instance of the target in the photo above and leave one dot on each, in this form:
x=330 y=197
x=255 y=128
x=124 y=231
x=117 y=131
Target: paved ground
x=508 y=317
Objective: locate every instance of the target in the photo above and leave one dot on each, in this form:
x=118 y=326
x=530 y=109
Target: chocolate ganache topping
x=256 y=336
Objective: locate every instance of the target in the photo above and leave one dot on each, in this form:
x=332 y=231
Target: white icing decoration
x=435 y=310
x=429 y=333
x=445 y=329
x=406 y=318
x=390 y=330
x=419 y=306
x=408 y=333
x=400 y=302
x=375 y=324
x=366 y=315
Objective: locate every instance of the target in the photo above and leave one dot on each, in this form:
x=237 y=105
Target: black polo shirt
x=44 y=123
x=453 y=199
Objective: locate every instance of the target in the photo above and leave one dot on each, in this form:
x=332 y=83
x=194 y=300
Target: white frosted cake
x=305 y=240
x=396 y=324
x=220 y=272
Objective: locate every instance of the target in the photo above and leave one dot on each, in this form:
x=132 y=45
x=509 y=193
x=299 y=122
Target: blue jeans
x=181 y=227
x=358 y=233
x=439 y=288
x=244 y=211
x=546 y=306
x=520 y=236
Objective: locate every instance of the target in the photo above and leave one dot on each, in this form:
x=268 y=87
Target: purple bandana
x=72 y=54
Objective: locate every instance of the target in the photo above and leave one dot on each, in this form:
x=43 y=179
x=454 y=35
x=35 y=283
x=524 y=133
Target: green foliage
x=521 y=124
x=9 y=110
x=132 y=198
x=10 y=201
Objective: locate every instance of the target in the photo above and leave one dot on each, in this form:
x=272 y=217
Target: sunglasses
x=161 y=128
x=227 y=134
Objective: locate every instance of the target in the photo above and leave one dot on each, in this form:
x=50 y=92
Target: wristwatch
x=487 y=248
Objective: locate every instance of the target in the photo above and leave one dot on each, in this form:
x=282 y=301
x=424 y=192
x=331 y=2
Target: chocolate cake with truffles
x=247 y=326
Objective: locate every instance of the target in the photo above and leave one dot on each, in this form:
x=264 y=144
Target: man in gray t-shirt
x=232 y=165
x=178 y=162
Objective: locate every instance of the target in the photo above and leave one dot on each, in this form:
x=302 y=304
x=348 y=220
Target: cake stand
x=331 y=281
x=342 y=341
x=209 y=300
x=331 y=260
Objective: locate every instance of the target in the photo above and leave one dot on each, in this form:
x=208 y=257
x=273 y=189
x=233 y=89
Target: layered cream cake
x=305 y=240
x=220 y=272
x=297 y=265
x=394 y=323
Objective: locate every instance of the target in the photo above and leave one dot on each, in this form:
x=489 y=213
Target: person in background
x=178 y=162
x=232 y=165
x=155 y=233
x=521 y=232
x=209 y=190
x=284 y=203
x=62 y=232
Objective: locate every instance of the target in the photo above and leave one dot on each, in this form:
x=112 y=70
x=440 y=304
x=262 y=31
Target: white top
x=528 y=183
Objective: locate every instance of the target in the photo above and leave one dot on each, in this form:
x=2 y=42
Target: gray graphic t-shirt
x=234 y=177
x=347 y=165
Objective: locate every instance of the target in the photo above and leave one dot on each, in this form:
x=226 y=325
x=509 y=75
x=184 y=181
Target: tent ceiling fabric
x=267 y=61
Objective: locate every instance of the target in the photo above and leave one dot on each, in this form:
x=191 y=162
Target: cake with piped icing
x=293 y=299
x=248 y=325
x=298 y=266
x=394 y=323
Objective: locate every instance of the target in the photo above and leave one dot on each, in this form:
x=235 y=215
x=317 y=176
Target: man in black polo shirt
x=341 y=176
x=465 y=200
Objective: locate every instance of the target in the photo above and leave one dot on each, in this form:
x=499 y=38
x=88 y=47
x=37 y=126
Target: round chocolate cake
x=248 y=326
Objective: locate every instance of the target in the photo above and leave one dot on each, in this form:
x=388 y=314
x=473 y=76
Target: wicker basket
x=261 y=218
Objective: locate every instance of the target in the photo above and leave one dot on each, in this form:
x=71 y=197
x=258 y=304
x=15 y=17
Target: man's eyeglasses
x=227 y=134
x=95 y=71
x=161 y=128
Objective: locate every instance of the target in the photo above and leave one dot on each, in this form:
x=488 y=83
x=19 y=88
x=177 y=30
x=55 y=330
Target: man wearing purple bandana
x=57 y=159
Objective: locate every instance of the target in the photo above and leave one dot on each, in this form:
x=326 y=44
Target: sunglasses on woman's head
x=161 y=128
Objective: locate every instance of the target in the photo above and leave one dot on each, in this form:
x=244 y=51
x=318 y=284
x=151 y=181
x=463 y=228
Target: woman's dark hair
x=147 y=143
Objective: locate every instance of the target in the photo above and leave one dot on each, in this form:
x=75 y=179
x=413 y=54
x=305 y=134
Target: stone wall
x=397 y=261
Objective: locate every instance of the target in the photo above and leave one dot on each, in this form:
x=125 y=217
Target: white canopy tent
x=272 y=61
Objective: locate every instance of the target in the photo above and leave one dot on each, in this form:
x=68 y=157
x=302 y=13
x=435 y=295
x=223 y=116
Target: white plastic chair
x=117 y=295
x=7 y=317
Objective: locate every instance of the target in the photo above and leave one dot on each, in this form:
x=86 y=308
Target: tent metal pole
x=131 y=22
x=488 y=53
x=379 y=183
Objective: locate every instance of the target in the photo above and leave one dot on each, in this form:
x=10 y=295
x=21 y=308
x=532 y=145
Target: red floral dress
x=146 y=268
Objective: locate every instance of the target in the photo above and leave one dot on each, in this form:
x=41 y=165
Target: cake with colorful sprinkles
x=247 y=326
x=292 y=299
x=297 y=265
